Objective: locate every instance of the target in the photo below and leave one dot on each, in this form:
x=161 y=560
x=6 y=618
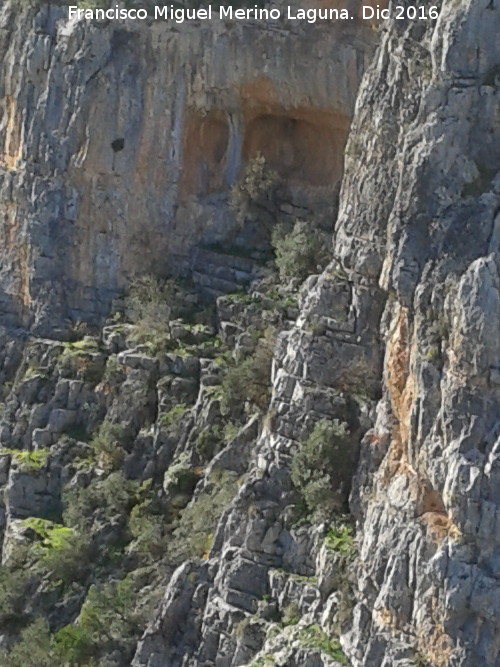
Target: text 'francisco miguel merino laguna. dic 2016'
x=178 y=14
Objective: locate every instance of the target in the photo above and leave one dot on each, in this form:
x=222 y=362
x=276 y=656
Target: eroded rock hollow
x=120 y=142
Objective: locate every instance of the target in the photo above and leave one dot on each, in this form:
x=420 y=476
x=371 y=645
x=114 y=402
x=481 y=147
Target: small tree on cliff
x=321 y=468
x=255 y=194
x=300 y=252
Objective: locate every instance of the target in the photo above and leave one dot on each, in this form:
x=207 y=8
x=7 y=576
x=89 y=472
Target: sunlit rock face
x=404 y=321
x=396 y=341
x=119 y=142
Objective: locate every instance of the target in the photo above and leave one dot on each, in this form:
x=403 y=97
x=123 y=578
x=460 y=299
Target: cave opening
x=305 y=148
x=118 y=144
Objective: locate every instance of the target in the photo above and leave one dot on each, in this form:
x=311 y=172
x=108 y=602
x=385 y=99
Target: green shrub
x=172 y=418
x=194 y=534
x=150 y=305
x=264 y=661
x=69 y=562
x=180 y=478
x=301 y=252
x=108 y=445
x=149 y=301
x=321 y=467
x=147 y=531
x=34 y=371
x=34 y=648
x=13 y=585
x=230 y=431
x=114 y=372
x=73 y=645
x=250 y=380
x=149 y=525
x=107 y=619
x=118 y=493
x=29 y=461
x=108 y=613
x=340 y=539
x=5 y=389
x=60 y=550
x=103 y=499
x=52 y=535
x=86 y=344
x=314 y=637
x=291 y=614
x=255 y=193
x=82 y=360
x=208 y=441
x=80 y=505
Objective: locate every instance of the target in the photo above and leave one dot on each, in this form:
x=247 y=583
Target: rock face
x=409 y=308
x=119 y=143
x=425 y=494
x=393 y=351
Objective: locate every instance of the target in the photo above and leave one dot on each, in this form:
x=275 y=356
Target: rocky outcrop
x=424 y=490
x=407 y=316
x=352 y=517
x=119 y=143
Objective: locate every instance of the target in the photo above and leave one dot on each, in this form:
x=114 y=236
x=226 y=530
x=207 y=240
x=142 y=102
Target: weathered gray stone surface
x=398 y=338
x=410 y=311
x=119 y=142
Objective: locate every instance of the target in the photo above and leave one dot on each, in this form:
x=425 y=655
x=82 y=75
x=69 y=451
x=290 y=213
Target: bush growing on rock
x=321 y=467
x=291 y=614
x=102 y=499
x=173 y=417
x=208 y=441
x=108 y=614
x=82 y=360
x=149 y=301
x=29 y=462
x=255 y=192
x=108 y=445
x=230 y=431
x=300 y=252
x=34 y=649
x=69 y=561
x=107 y=618
x=340 y=540
x=150 y=305
x=198 y=522
x=148 y=532
x=60 y=550
x=180 y=478
x=314 y=637
x=13 y=585
x=149 y=524
x=74 y=645
x=114 y=372
x=250 y=380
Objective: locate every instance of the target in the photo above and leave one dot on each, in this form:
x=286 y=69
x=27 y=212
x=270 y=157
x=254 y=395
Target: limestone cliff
x=350 y=517
x=119 y=142
x=411 y=304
